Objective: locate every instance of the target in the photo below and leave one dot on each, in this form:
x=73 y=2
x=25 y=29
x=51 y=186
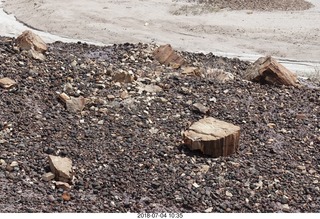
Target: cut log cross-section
x=213 y=137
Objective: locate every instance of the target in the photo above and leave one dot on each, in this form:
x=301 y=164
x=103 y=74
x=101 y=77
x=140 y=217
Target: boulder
x=213 y=137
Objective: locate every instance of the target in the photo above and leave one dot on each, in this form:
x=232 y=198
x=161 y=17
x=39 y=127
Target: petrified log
x=266 y=70
x=213 y=137
x=166 y=55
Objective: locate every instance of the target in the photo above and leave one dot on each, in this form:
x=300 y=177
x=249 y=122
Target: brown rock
x=66 y=196
x=267 y=70
x=7 y=83
x=31 y=41
x=61 y=167
x=213 y=137
x=166 y=55
x=123 y=77
x=301 y=116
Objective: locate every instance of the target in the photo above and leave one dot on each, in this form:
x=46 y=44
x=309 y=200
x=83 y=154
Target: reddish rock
x=166 y=55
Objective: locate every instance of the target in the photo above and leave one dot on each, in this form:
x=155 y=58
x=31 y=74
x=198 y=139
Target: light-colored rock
x=124 y=94
x=73 y=104
x=111 y=97
x=7 y=83
x=48 y=176
x=201 y=108
x=61 y=167
x=166 y=55
x=36 y=55
x=2 y=162
x=213 y=137
x=208 y=210
x=268 y=70
x=149 y=88
x=219 y=75
x=14 y=164
x=192 y=71
x=62 y=185
x=228 y=194
x=31 y=41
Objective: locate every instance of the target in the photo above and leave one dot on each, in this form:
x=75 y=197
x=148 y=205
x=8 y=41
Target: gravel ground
x=128 y=153
x=272 y=5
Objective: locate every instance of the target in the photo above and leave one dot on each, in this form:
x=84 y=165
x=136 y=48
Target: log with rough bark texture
x=267 y=70
x=213 y=137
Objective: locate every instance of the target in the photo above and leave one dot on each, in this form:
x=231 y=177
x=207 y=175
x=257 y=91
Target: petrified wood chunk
x=213 y=137
x=267 y=70
x=166 y=55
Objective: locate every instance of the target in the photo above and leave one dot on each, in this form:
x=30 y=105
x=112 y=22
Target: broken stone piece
x=267 y=70
x=62 y=185
x=48 y=176
x=201 y=108
x=213 y=137
x=166 y=55
x=149 y=88
x=219 y=75
x=193 y=71
x=73 y=104
x=61 y=167
x=7 y=83
x=123 y=77
x=31 y=41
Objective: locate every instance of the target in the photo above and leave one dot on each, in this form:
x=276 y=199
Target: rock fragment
x=219 y=75
x=213 y=137
x=266 y=70
x=166 y=55
x=48 y=176
x=7 y=83
x=123 y=77
x=32 y=43
x=61 y=167
x=200 y=108
x=73 y=104
x=62 y=185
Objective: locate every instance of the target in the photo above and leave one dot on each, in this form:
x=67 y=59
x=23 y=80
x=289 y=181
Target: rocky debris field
x=118 y=115
x=257 y=5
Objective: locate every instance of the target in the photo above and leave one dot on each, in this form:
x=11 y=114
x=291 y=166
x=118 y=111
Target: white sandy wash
x=292 y=37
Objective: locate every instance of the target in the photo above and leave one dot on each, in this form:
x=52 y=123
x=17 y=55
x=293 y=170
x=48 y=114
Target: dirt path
x=292 y=36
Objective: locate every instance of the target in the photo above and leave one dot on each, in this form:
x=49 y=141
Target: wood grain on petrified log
x=267 y=70
x=213 y=137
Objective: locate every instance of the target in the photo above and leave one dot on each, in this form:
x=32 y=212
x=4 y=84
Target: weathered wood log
x=166 y=55
x=266 y=70
x=213 y=137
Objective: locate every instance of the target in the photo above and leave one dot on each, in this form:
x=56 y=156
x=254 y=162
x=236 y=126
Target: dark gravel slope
x=272 y=5
x=128 y=154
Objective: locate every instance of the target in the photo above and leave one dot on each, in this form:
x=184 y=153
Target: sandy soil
x=290 y=35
